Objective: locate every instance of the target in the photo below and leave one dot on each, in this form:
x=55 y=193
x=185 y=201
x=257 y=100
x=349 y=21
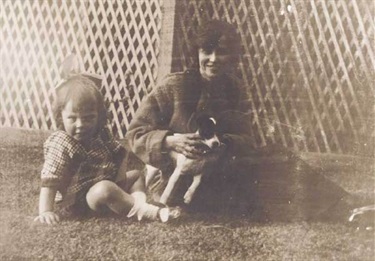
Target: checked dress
x=72 y=170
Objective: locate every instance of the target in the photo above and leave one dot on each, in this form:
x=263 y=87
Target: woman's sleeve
x=147 y=131
x=57 y=157
x=236 y=128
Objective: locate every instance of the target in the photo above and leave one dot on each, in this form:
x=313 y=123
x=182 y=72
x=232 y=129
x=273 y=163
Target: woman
x=271 y=183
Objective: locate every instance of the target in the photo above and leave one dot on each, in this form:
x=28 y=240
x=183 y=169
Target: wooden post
x=165 y=56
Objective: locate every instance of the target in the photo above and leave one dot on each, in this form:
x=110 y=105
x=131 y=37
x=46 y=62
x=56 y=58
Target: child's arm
x=58 y=153
x=46 y=206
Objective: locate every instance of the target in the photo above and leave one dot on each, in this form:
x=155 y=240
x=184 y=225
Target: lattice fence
x=309 y=66
x=116 y=38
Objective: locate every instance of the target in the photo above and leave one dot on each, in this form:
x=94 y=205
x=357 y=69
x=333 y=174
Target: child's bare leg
x=121 y=196
x=126 y=196
x=133 y=183
x=115 y=195
x=107 y=193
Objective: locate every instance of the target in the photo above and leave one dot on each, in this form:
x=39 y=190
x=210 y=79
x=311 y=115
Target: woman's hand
x=191 y=145
x=48 y=217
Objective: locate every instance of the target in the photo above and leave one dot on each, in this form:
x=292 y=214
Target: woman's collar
x=217 y=84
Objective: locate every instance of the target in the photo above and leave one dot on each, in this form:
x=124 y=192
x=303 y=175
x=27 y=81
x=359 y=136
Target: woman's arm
x=149 y=135
x=147 y=131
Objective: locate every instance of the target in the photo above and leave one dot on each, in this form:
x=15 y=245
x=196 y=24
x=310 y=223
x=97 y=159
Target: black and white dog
x=187 y=166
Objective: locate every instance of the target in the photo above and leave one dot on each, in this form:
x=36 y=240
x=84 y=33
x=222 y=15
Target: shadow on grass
x=194 y=237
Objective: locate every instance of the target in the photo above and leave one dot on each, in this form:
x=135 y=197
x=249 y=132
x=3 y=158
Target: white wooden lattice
x=116 y=39
x=308 y=64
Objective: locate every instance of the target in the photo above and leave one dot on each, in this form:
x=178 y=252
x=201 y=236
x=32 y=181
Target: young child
x=85 y=165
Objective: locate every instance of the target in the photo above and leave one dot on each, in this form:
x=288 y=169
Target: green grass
x=197 y=237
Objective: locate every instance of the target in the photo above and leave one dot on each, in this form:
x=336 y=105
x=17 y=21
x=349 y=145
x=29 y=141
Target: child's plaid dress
x=73 y=170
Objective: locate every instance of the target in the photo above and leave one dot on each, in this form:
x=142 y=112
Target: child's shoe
x=166 y=214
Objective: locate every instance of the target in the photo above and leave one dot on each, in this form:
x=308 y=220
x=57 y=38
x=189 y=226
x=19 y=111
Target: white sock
x=139 y=197
x=147 y=211
x=139 y=200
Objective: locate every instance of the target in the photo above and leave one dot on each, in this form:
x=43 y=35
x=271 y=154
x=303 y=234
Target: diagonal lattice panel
x=308 y=66
x=117 y=39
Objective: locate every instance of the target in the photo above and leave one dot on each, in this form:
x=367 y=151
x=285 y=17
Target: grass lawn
x=197 y=237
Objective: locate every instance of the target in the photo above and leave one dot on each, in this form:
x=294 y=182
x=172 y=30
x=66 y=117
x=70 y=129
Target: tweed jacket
x=171 y=106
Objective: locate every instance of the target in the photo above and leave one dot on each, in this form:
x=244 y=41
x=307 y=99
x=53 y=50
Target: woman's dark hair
x=79 y=88
x=210 y=33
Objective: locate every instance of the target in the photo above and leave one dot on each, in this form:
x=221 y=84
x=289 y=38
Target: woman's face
x=215 y=62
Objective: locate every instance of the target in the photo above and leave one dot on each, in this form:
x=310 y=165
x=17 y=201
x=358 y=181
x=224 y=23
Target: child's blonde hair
x=83 y=89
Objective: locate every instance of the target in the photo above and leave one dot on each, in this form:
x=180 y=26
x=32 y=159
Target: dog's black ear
x=206 y=126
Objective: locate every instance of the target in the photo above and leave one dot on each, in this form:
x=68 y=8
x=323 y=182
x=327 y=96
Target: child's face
x=80 y=120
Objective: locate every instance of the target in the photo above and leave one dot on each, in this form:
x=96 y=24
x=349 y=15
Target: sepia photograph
x=187 y=130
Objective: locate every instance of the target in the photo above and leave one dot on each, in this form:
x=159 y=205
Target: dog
x=186 y=166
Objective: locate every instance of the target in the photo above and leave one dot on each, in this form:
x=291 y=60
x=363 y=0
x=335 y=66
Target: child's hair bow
x=70 y=68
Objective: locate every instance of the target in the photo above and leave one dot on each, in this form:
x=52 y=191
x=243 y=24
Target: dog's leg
x=193 y=187
x=150 y=174
x=170 y=185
